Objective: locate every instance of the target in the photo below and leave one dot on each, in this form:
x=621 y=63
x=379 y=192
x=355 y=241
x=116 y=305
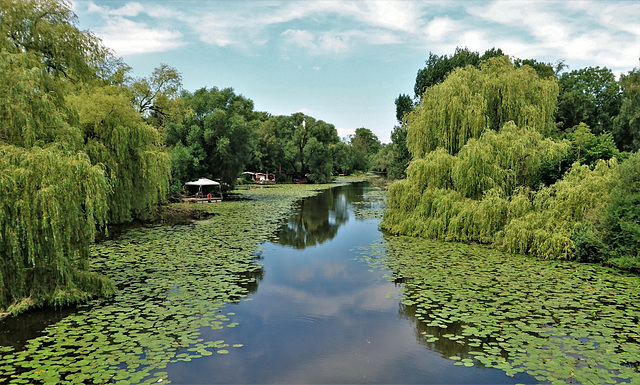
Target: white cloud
x=440 y=28
x=130 y=10
x=392 y=15
x=576 y=31
x=322 y=44
x=333 y=43
x=304 y=39
x=372 y=22
x=127 y=37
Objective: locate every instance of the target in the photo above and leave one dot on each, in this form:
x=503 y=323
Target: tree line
x=84 y=145
x=522 y=156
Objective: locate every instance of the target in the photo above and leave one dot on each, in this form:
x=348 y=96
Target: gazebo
x=205 y=182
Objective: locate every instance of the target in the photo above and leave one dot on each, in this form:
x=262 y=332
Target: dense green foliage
x=626 y=128
x=342 y=157
x=615 y=236
x=404 y=104
x=216 y=140
x=222 y=136
x=484 y=171
x=588 y=95
x=486 y=193
x=302 y=146
x=129 y=150
x=157 y=97
x=75 y=154
x=365 y=145
x=439 y=67
x=50 y=205
x=473 y=100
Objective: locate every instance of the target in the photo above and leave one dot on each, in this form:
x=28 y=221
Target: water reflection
x=318 y=218
x=322 y=316
x=16 y=331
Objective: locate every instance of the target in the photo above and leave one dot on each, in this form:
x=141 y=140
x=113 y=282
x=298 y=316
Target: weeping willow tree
x=505 y=160
x=471 y=101
x=64 y=171
x=545 y=226
x=479 y=156
x=50 y=205
x=485 y=194
x=130 y=150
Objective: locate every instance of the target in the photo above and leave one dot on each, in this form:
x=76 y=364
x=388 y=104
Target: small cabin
x=261 y=177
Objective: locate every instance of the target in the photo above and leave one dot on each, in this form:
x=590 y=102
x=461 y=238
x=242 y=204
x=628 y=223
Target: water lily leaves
x=172 y=282
x=556 y=322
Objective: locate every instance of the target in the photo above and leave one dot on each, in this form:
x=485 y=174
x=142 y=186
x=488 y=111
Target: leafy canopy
x=472 y=101
x=75 y=154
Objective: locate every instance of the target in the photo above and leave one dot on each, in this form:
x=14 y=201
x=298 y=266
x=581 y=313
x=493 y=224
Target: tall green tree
x=626 y=127
x=75 y=154
x=217 y=140
x=365 y=146
x=472 y=101
x=301 y=146
x=400 y=153
x=269 y=153
x=622 y=219
x=439 y=67
x=343 y=158
x=129 y=149
x=590 y=95
x=52 y=199
x=306 y=143
x=157 y=97
x=404 y=104
x=51 y=203
x=479 y=153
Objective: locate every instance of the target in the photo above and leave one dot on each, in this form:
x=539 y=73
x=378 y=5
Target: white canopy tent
x=204 y=182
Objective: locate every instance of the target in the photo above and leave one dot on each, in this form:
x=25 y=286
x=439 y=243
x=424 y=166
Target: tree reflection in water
x=319 y=217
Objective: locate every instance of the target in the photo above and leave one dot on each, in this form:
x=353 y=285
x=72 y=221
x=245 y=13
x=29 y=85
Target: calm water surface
x=321 y=316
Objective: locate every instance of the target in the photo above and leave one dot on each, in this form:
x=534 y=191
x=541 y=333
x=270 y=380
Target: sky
x=345 y=62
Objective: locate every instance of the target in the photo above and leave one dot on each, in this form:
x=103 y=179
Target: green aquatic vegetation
x=172 y=283
x=555 y=321
x=372 y=204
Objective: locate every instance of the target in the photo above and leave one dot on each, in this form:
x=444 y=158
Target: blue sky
x=345 y=62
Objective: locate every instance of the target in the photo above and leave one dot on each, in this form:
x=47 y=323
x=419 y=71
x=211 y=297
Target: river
x=320 y=315
x=318 y=304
